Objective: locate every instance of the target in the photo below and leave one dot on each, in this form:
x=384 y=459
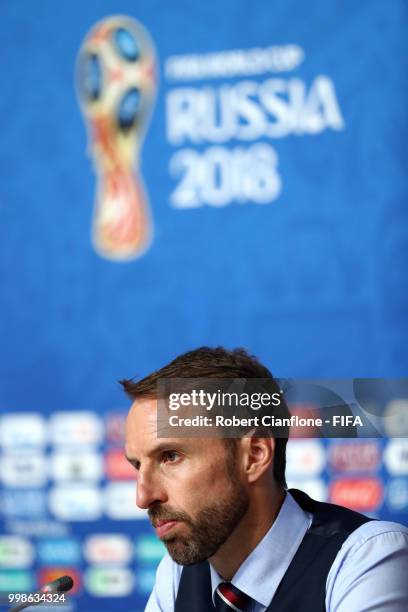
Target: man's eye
x=170 y=456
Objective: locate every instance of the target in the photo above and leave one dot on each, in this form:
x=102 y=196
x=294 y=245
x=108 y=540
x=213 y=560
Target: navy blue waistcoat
x=303 y=587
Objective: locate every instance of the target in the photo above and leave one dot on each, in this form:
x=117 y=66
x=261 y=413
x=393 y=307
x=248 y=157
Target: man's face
x=190 y=486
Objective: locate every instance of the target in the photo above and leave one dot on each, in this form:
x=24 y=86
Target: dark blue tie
x=228 y=598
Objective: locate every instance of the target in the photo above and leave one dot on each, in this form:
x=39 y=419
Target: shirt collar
x=261 y=572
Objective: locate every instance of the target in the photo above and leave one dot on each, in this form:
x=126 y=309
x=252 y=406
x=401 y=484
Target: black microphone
x=60 y=585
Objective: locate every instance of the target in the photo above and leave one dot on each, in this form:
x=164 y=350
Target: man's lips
x=163 y=527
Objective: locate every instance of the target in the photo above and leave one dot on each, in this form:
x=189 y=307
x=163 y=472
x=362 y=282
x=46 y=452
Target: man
x=236 y=538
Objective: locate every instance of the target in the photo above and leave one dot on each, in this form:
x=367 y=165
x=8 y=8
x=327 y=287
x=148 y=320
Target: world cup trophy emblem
x=116 y=86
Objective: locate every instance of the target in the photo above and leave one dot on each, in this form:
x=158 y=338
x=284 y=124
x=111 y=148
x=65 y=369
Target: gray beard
x=210 y=529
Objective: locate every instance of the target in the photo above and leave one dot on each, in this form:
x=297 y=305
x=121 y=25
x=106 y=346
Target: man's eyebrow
x=157 y=449
x=134 y=462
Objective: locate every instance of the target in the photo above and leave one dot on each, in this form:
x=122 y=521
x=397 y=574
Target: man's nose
x=149 y=489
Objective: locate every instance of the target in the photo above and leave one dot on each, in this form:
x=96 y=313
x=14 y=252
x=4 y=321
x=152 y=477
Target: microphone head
x=65 y=583
x=60 y=585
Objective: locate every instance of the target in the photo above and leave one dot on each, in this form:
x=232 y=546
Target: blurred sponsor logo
x=48 y=574
x=15 y=552
x=120 y=500
x=23 y=504
x=108 y=549
x=145 y=581
x=356 y=456
x=71 y=465
x=396 y=418
x=76 y=502
x=16 y=581
x=397 y=494
x=109 y=582
x=115 y=428
x=304 y=458
x=149 y=549
x=315 y=487
x=362 y=494
x=396 y=457
x=59 y=551
x=76 y=428
x=22 y=429
x=117 y=467
x=23 y=469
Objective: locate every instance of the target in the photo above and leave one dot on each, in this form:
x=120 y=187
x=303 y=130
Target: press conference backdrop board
x=179 y=174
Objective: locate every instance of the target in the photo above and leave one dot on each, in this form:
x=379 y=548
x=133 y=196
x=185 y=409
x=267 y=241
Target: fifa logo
x=116 y=86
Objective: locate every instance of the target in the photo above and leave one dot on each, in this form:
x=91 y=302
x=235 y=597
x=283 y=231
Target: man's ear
x=258 y=455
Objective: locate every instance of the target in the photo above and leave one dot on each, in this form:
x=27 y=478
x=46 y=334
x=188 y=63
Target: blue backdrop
x=274 y=168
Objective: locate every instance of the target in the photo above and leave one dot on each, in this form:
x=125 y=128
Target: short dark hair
x=218 y=362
